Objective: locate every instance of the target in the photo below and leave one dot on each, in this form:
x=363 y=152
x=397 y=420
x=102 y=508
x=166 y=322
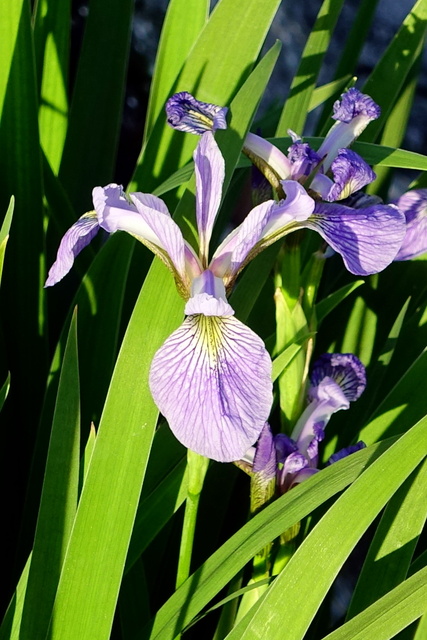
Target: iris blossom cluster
x=367 y=238
x=336 y=380
x=211 y=379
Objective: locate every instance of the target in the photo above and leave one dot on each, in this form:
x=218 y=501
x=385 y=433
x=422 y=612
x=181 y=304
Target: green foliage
x=103 y=494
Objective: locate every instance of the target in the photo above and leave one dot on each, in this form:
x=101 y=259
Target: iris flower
x=336 y=380
x=211 y=379
x=368 y=238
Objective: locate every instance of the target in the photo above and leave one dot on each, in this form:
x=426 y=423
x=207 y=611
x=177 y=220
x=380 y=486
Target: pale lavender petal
x=346 y=451
x=185 y=113
x=265 y=224
x=265 y=455
x=351 y=173
x=209 y=168
x=146 y=217
x=368 y=239
x=345 y=368
x=414 y=205
x=74 y=240
x=211 y=380
x=257 y=147
x=208 y=297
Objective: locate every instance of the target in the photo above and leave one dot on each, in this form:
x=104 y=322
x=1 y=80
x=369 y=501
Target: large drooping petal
x=75 y=239
x=185 y=113
x=210 y=169
x=147 y=218
x=414 y=205
x=368 y=239
x=211 y=380
x=265 y=224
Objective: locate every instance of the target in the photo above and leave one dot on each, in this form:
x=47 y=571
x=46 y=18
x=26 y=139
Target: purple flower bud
x=354 y=103
x=185 y=113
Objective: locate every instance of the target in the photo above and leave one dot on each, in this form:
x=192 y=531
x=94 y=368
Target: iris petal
x=368 y=239
x=414 y=205
x=211 y=380
x=76 y=238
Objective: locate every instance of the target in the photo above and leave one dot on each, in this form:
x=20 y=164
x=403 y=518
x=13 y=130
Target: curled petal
x=257 y=148
x=414 y=205
x=211 y=380
x=303 y=159
x=75 y=239
x=353 y=104
x=345 y=368
x=208 y=297
x=351 y=173
x=209 y=168
x=368 y=239
x=147 y=218
x=185 y=113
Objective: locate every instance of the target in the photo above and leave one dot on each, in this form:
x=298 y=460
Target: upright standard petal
x=368 y=239
x=210 y=169
x=265 y=224
x=414 y=206
x=211 y=380
x=185 y=113
x=76 y=238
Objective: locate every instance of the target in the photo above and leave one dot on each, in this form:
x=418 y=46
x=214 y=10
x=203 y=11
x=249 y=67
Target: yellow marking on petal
x=201 y=117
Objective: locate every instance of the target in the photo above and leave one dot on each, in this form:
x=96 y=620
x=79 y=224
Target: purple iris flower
x=336 y=380
x=414 y=206
x=211 y=378
x=368 y=238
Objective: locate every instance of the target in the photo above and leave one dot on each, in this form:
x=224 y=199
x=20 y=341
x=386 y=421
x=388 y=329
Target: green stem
x=197 y=467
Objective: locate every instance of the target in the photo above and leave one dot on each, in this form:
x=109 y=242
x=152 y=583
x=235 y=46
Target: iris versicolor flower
x=336 y=380
x=368 y=238
x=211 y=379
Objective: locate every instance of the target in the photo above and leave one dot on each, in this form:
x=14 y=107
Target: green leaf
x=215 y=78
x=284 y=359
x=4 y=232
x=4 y=391
x=58 y=501
x=177 y=38
x=329 y=544
x=218 y=570
x=395 y=539
x=328 y=304
x=405 y=403
x=52 y=24
x=389 y=615
x=385 y=83
x=96 y=108
x=85 y=601
x=297 y=104
x=11 y=624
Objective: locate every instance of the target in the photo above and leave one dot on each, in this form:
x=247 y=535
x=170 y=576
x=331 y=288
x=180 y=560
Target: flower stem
x=197 y=467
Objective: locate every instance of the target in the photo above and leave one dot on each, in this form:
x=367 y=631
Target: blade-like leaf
x=218 y=570
x=297 y=104
x=58 y=501
x=390 y=553
x=177 y=38
x=4 y=232
x=328 y=545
